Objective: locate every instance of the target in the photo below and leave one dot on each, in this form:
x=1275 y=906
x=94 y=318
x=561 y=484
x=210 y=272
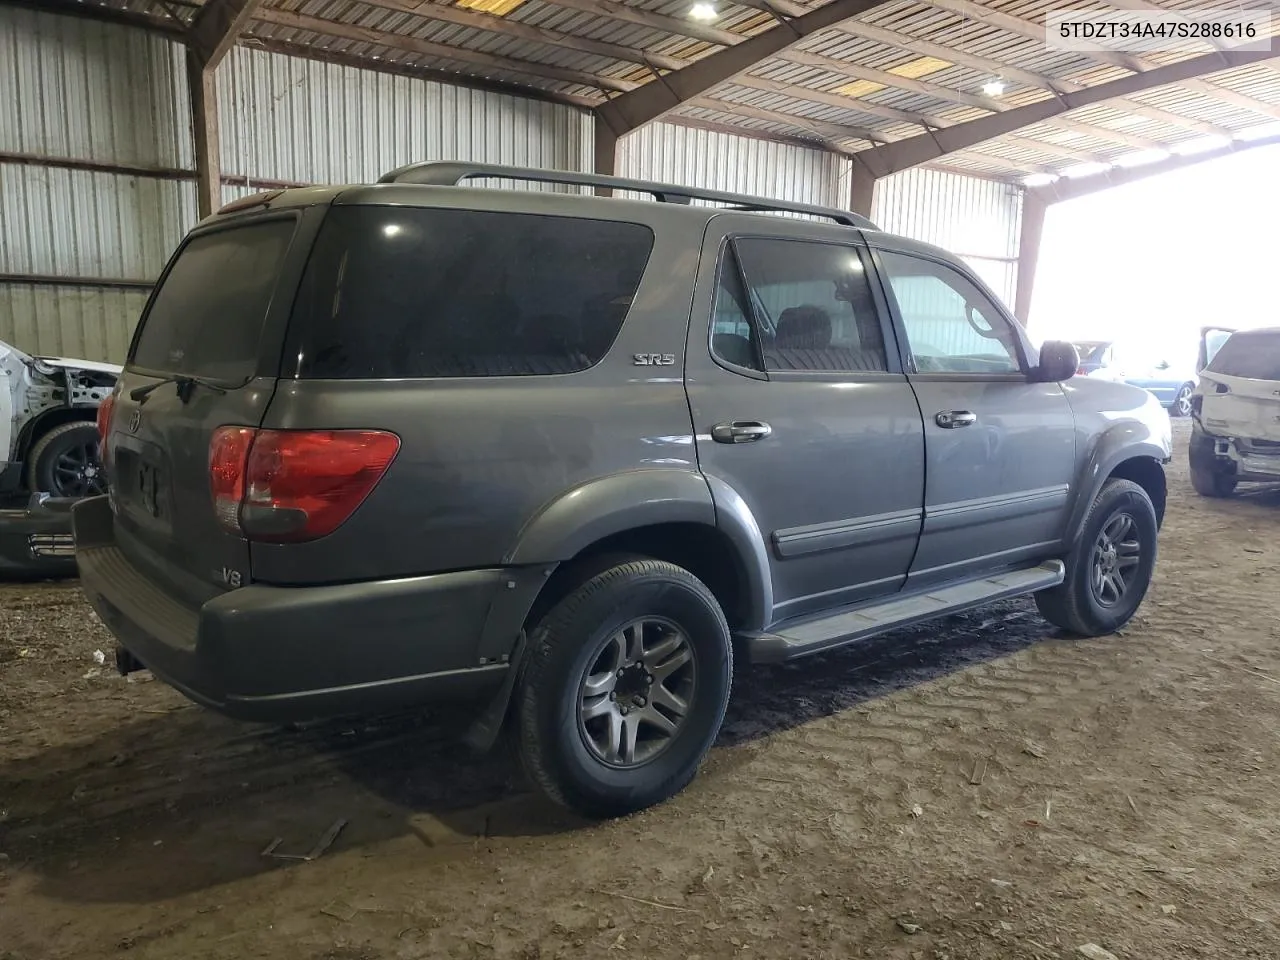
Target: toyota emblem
x=135 y=421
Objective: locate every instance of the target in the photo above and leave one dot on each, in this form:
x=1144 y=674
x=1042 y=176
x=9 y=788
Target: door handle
x=951 y=419
x=740 y=431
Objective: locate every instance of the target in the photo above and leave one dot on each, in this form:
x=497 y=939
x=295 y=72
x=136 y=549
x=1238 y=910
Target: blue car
x=1171 y=382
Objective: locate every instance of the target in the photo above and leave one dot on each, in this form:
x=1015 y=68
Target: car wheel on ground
x=1110 y=569
x=624 y=688
x=65 y=462
x=1182 y=401
x=1212 y=483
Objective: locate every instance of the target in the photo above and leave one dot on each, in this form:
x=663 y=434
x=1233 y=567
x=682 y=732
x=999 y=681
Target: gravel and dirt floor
x=977 y=788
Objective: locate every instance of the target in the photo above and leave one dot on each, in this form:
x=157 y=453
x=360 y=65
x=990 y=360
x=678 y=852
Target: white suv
x=1235 y=433
x=48 y=440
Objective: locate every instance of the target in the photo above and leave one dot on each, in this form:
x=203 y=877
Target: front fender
x=1123 y=441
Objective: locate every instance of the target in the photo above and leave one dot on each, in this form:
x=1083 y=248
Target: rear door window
x=206 y=319
x=1249 y=354
x=396 y=292
x=813 y=305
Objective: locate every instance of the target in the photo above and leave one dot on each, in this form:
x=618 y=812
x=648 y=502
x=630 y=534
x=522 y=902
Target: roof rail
x=447 y=173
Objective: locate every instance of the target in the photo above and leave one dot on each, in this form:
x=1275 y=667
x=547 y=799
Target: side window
x=733 y=336
x=951 y=326
x=812 y=306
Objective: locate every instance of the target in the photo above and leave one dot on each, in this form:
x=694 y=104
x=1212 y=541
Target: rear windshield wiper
x=184 y=383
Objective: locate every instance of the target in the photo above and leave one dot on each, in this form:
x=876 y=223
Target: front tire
x=1110 y=569
x=66 y=462
x=624 y=689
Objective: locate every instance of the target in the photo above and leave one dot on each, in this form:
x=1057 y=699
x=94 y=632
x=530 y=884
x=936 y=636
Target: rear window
x=1253 y=355
x=401 y=292
x=206 y=318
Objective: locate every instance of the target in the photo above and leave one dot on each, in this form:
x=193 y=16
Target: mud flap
x=487 y=727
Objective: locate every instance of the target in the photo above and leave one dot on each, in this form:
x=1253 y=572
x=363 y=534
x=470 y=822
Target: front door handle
x=951 y=419
x=740 y=431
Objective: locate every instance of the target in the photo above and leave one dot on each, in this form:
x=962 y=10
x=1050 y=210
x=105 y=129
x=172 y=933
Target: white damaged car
x=48 y=436
x=1235 y=431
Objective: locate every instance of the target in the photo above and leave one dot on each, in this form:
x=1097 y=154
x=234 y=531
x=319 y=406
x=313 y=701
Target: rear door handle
x=740 y=431
x=951 y=419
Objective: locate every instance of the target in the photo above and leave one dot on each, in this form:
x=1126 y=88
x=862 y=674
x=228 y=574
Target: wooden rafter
x=399 y=41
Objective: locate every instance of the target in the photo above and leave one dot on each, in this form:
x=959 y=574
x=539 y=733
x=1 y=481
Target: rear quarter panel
x=481 y=458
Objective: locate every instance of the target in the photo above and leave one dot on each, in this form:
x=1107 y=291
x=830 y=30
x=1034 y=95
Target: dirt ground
x=977 y=788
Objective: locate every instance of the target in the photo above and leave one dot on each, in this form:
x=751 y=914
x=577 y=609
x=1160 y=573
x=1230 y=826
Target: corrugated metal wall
x=720 y=161
x=976 y=219
x=285 y=118
x=81 y=90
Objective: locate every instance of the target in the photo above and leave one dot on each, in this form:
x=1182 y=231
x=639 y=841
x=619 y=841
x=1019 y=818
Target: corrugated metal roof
x=1001 y=34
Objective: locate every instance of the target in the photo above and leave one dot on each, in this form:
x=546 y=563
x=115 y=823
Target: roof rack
x=447 y=173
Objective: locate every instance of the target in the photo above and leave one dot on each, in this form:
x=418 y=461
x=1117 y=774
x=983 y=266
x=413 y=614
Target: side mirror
x=1058 y=361
x=1162 y=365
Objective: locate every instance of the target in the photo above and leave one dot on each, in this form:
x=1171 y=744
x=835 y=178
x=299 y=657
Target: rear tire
x=624 y=688
x=1110 y=569
x=67 y=462
x=1181 y=406
x=1210 y=483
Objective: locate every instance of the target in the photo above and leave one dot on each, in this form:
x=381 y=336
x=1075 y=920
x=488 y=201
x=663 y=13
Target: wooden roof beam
x=505 y=27
x=653 y=100
x=399 y=41
x=215 y=28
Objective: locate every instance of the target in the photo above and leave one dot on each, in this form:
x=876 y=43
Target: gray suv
x=564 y=457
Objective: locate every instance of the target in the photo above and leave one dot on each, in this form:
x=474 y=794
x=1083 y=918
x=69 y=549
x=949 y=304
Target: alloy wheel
x=635 y=694
x=78 y=472
x=1116 y=554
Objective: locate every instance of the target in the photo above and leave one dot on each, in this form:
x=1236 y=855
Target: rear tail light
x=1080 y=371
x=228 y=455
x=288 y=486
x=105 y=410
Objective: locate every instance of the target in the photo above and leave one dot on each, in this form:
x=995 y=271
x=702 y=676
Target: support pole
x=1029 y=234
x=204 y=125
x=862 y=186
x=606 y=154
x=210 y=37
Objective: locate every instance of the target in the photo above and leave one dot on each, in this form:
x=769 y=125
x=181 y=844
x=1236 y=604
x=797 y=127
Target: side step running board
x=798 y=639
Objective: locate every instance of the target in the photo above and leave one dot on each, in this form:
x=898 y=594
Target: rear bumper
x=1239 y=457
x=36 y=541
x=284 y=654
